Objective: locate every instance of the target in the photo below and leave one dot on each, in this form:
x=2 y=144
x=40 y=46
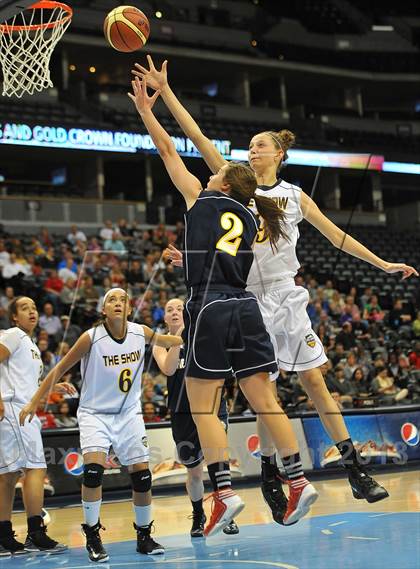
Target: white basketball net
x=25 y=52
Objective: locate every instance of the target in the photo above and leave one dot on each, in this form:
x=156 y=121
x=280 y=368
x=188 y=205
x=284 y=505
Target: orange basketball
x=126 y=28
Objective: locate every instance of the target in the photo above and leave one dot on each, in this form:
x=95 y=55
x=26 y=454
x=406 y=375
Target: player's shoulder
x=135 y=328
x=12 y=333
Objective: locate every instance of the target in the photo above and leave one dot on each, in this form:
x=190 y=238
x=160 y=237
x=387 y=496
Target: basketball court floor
x=340 y=533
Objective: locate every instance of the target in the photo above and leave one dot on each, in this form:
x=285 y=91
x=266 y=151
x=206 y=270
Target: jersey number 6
x=231 y=240
x=125 y=381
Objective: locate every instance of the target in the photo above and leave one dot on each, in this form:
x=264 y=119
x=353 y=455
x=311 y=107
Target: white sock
x=143 y=515
x=91 y=512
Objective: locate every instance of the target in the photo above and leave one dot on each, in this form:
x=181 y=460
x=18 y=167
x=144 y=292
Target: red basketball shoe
x=226 y=506
x=301 y=496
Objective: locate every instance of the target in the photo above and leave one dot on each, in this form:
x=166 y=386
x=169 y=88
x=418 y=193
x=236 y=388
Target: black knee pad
x=92 y=475
x=141 y=481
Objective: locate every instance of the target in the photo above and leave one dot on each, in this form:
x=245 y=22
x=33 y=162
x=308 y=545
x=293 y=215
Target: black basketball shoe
x=275 y=498
x=8 y=544
x=96 y=550
x=364 y=486
x=198 y=522
x=231 y=529
x=37 y=539
x=145 y=543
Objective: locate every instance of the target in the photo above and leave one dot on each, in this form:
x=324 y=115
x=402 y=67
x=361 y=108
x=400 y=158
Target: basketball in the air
x=126 y=28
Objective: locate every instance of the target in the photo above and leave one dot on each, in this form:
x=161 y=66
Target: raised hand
x=406 y=270
x=174 y=255
x=140 y=97
x=157 y=80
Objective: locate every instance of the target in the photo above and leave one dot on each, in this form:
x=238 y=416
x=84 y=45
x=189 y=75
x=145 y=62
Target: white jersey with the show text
x=270 y=267
x=21 y=372
x=112 y=370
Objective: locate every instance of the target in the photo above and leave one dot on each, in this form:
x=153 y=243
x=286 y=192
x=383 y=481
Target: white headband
x=114 y=290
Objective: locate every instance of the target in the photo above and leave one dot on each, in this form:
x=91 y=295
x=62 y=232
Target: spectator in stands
x=36 y=248
x=383 y=386
x=350 y=366
x=373 y=312
x=67 y=272
x=135 y=275
x=46 y=417
x=67 y=293
x=63 y=417
x=359 y=383
x=313 y=288
x=4 y=320
x=94 y=245
x=61 y=350
x=47 y=357
x=346 y=336
x=107 y=231
x=48 y=261
x=53 y=287
x=399 y=315
x=13 y=268
x=7 y=297
x=4 y=255
x=366 y=296
x=159 y=237
x=149 y=413
x=49 y=321
x=115 y=244
x=337 y=353
x=88 y=293
x=414 y=356
x=340 y=384
x=123 y=229
x=65 y=261
x=75 y=235
x=71 y=331
x=45 y=238
x=329 y=290
x=416 y=326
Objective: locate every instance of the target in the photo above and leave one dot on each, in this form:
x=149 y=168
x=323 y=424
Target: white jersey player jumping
x=112 y=359
x=283 y=304
x=21 y=448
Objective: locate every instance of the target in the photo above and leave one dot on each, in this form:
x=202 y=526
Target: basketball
x=126 y=28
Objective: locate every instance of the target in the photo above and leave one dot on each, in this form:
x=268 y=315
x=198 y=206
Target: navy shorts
x=225 y=334
x=185 y=435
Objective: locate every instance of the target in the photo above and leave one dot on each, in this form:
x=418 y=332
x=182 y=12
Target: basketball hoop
x=26 y=44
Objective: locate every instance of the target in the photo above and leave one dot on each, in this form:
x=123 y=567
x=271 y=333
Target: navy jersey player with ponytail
x=224 y=331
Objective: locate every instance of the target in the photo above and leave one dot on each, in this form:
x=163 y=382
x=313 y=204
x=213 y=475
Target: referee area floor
x=340 y=533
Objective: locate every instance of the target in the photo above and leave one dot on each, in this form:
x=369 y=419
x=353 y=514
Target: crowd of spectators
x=373 y=354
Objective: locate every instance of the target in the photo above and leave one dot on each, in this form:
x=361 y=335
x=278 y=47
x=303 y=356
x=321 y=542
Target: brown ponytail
x=274 y=220
x=243 y=184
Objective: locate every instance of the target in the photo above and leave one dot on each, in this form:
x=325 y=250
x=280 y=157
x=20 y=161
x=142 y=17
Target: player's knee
x=141 y=481
x=92 y=475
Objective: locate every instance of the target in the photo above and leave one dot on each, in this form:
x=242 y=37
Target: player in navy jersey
x=112 y=360
x=282 y=302
x=224 y=332
x=172 y=363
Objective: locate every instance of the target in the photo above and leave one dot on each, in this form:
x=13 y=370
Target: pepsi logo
x=73 y=463
x=410 y=434
x=253 y=445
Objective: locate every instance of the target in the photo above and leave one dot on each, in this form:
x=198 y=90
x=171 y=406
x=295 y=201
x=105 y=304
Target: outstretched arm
x=73 y=356
x=186 y=183
x=163 y=340
x=346 y=243
x=159 y=80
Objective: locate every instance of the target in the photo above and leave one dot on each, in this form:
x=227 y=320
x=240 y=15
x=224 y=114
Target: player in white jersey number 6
x=21 y=448
x=283 y=304
x=112 y=359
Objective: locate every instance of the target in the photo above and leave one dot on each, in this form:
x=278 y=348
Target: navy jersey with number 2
x=219 y=235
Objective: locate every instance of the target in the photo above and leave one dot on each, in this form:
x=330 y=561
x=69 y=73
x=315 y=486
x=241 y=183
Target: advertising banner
x=380 y=438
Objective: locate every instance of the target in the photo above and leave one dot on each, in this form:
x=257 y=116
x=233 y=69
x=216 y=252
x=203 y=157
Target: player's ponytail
x=274 y=220
x=243 y=184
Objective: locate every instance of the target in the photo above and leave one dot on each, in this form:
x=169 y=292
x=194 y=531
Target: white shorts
x=296 y=345
x=20 y=447
x=124 y=431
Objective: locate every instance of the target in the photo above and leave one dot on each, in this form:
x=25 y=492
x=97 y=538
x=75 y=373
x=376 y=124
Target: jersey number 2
x=125 y=381
x=231 y=240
